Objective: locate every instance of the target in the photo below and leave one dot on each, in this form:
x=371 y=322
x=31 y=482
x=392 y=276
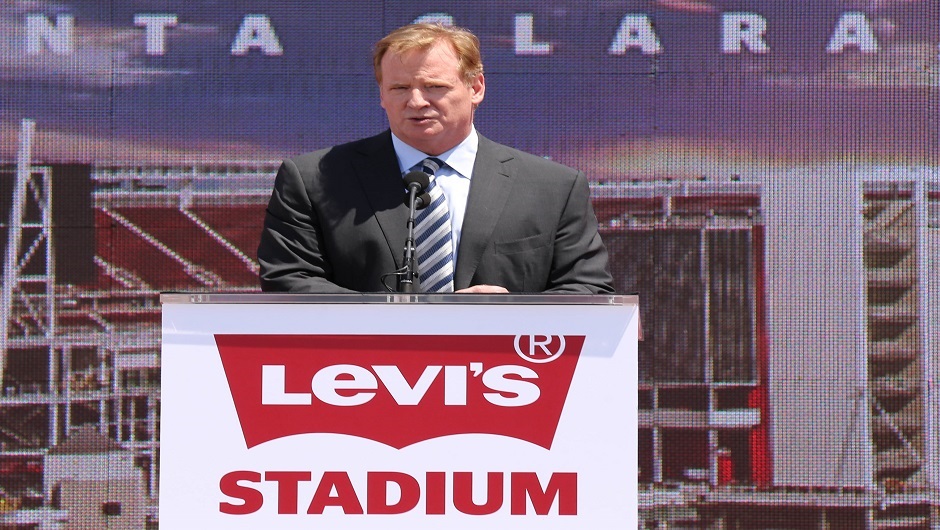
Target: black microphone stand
x=406 y=280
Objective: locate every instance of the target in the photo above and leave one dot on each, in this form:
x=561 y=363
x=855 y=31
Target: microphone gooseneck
x=416 y=182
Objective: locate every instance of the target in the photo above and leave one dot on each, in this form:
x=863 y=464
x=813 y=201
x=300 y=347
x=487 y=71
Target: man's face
x=429 y=105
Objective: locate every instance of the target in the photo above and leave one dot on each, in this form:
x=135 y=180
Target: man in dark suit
x=336 y=221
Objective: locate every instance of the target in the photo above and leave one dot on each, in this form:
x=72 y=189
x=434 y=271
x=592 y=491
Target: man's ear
x=478 y=87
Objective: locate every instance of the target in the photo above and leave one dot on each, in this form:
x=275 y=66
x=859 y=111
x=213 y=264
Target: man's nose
x=417 y=98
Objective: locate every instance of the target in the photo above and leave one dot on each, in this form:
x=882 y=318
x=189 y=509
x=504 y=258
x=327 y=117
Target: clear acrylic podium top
x=398 y=298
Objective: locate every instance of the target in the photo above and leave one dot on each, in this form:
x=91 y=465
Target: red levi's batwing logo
x=399 y=389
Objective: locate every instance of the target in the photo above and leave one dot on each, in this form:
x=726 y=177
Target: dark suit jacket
x=336 y=222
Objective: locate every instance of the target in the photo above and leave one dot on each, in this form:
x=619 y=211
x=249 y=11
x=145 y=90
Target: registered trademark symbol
x=539 y=348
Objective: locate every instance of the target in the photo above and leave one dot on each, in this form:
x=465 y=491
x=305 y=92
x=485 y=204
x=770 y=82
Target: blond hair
x=422 y=37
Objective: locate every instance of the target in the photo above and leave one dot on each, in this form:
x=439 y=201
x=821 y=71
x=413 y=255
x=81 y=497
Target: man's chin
x=422 y=138
x=424 y=128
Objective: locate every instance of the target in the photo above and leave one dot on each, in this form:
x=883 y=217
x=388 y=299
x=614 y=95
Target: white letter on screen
x=155 y=30
x=853 y=29
x=525 y=35
x=635 y=31
x=256 y=32
x=59 y=38
x=435 y=18
x=743 y=28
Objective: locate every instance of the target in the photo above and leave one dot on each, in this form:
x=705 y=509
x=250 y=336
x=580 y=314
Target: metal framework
x=27 y=302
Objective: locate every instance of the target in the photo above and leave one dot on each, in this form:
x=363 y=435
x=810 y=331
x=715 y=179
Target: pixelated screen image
x=765 y=175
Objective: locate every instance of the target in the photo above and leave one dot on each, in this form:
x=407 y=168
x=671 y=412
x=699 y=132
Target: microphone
x=419 y=181
x=416 y=183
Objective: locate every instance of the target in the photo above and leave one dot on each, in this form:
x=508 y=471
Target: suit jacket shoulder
x=335 y=221
x=529 y=226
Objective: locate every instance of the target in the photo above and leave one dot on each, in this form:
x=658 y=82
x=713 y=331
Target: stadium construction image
x=750 y=417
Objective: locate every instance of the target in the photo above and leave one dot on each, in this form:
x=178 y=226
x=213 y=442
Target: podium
x=414 y=411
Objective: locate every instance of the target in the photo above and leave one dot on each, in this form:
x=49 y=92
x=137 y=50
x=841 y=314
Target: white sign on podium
x=398 y=411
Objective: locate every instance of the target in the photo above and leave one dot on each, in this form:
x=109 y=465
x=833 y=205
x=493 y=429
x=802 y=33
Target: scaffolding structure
x=897 y=218
x=79 y=356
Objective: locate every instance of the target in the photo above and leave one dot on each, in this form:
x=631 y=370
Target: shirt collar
x=460 y=158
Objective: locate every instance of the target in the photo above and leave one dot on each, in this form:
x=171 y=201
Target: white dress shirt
x=454 y=178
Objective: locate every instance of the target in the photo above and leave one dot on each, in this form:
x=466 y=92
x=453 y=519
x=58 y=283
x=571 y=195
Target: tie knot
x=430 y=165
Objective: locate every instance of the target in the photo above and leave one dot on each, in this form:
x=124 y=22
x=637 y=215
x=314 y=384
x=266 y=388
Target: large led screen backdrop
x=765 y=174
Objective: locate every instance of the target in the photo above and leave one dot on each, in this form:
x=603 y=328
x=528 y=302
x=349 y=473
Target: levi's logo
x=399 y=389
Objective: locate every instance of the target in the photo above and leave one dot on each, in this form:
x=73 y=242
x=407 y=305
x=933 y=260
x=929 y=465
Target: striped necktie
x=433 y=244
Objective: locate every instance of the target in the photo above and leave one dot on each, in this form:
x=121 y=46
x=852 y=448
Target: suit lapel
x=377 y=169
x=489 y=190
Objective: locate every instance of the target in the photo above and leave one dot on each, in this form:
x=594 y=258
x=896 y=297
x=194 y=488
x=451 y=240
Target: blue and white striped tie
x=433 y=243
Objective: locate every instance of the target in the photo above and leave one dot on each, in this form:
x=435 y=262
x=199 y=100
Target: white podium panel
x=367 y=412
